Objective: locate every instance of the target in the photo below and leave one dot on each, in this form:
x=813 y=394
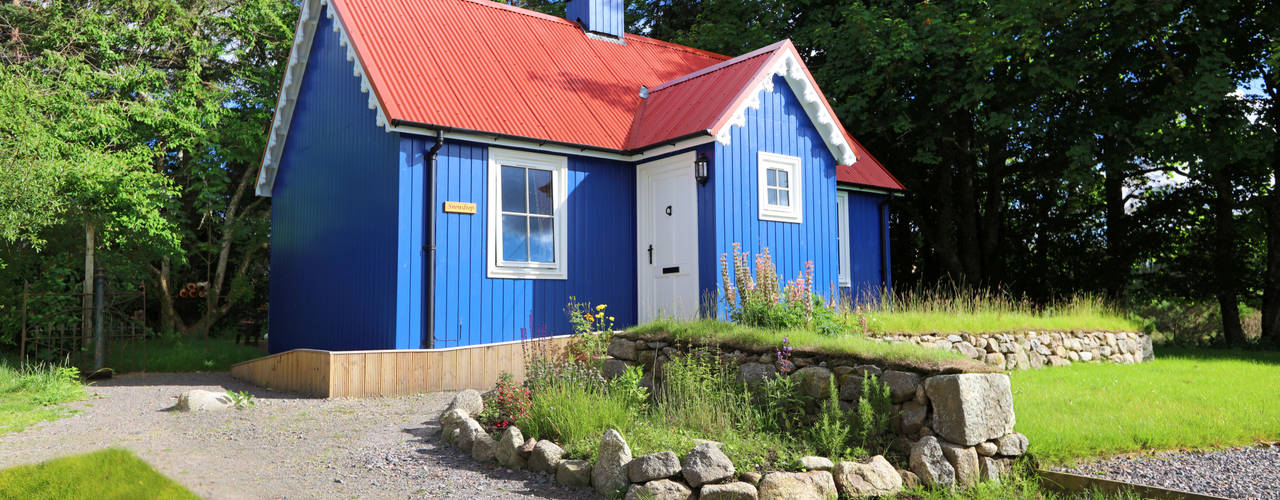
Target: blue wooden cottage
x=450 y=172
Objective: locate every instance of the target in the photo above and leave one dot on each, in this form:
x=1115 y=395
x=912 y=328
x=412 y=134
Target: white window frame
x=795 y=187
x=559 y=167
x=842 y=237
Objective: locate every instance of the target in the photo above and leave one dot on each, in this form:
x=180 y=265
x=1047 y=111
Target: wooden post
x=22 y=346
x=86 y=323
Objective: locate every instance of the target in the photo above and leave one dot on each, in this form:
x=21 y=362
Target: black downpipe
x=429 y=309
x=884 y=248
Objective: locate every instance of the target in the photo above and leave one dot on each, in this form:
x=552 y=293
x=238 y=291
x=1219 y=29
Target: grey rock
x=969 y=351
x=653 y=466
x=508 y=452
x=814 y=381
x=902 y=385
x=913 y=415
x=1013 y=444
x=545 y=457
x=573 y=473
x=467 y=433
x=1148 y=353
x=754 y=374
x=704 y=464
x=609 y=474
x=816 y=463
x=970 y=408
x=986 y=448
x=869 y=370
x=875 y=477
x=731 y=491
x=909 y=479
x=201 y=400
x=930 y=465
x=1086 y=356
x=468 y=401
x=752 y=478
x=965 y=461
x=624 y=349
x=526 y=449
x=451 y=420
x=996 y=360
x=661 y=489
x=813 y=485
x=612 y=367
x=483 y=448
x=991 y=469
x=850 y=387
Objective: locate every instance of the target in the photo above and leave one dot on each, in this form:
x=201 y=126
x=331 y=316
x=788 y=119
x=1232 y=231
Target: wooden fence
x=357 y=374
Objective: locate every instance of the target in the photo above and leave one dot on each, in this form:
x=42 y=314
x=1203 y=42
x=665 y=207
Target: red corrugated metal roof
x=867 y=171
x=485 y=66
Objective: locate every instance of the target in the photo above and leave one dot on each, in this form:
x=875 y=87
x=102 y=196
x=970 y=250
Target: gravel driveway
x=288 y=446
x=1249 y=472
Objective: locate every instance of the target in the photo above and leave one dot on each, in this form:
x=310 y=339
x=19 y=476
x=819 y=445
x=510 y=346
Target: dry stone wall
x=1027 y=350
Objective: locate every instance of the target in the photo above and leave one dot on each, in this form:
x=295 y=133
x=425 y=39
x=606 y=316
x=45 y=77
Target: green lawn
x=34 y=395
x=1183 y=399
x=184 y=355
x=106 y=474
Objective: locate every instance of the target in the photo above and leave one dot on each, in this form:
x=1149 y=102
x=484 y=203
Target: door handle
x=651 y=255
x=668 y=210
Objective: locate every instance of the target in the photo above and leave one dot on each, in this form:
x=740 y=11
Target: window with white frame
x=527 y=232
x=842 y=236
x=780 y=188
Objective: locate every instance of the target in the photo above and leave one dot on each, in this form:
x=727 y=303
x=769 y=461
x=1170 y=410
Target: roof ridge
x=721 y=65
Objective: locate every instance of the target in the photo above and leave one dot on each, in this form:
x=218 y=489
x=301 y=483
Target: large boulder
x=812 y=485
x=483 y=448
x=661 y=489
x=201 y=400
x=450 y=421
x=704 y=464
x=732 y=491
x=970 y=408
x=965 y=461
x=573 y=473
x=815 y=381
x=913 y=415
x=930 y=465
x=467 y=433
x=468 y=401
x=508 y=452
x=1013 y=444
x=611 y=368
x=545 y=456
x=754 y=374
x=653 y=466
x=621 y=348
x=991 y=469
x=609 y=474
x=816 y=463
x=875 y=477
x=1148 y=353
x=902 y=385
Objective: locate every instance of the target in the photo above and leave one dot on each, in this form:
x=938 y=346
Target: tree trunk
x=1225 y=261
x=86 y=323
x=1119 y=255
x=1271 y=283
x=166 y=297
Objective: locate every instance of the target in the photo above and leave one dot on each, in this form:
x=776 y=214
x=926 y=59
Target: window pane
x=782 y=179
x=515 y=238
x=513 y=189
x=784 y=198
x=773 y=177
x=773 y=196
x=542 y=240
x=540 y=194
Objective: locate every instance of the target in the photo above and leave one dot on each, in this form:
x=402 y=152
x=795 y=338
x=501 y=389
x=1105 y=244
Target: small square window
x=780 y=196
x=526 y=220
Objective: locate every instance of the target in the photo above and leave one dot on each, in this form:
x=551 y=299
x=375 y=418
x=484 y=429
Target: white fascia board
x=534 y=144
x=787 y=64
x=292 y=84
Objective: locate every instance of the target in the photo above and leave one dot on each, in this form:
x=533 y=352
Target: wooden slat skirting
x=358 y=374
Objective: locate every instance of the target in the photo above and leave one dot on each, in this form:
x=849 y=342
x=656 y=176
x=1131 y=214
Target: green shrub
x=831 y=431
x=509 y=402
x=872 y=417
x=779 y=401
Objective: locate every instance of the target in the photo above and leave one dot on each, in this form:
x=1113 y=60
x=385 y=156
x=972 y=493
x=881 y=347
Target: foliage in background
x=174 y=353
x=33 y=394
x=1183 y=399
x=110 y=473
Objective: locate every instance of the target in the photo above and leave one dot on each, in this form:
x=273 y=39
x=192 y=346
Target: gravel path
x=1251 y=472
x=287 y=446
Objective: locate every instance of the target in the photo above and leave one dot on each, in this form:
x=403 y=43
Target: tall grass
x=958 y=310
x=32 y=395
x=108 y=473
x=699 y=394
x=182 y=354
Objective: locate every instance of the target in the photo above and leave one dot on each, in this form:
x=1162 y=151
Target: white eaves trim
x=297 y=66
x=787 y=64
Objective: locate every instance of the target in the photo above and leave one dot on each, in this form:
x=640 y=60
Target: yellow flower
x=590 y=317
x=600 y=307
x=610 y=318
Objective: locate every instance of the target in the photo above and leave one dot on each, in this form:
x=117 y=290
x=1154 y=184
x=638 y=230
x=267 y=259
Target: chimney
x=599 y=17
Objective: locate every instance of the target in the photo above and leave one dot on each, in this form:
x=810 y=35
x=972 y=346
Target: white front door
x=667 y=237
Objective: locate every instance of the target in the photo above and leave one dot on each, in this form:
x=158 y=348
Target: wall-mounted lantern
x=701 y=169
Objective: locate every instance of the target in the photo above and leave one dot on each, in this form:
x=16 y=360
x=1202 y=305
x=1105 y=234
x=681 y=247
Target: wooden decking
x=356 y=374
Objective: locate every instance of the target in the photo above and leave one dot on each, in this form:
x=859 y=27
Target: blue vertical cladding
x=601 y=16
x=471 y=308
x=333 y=216
x=779 y=126
x=868 y=246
